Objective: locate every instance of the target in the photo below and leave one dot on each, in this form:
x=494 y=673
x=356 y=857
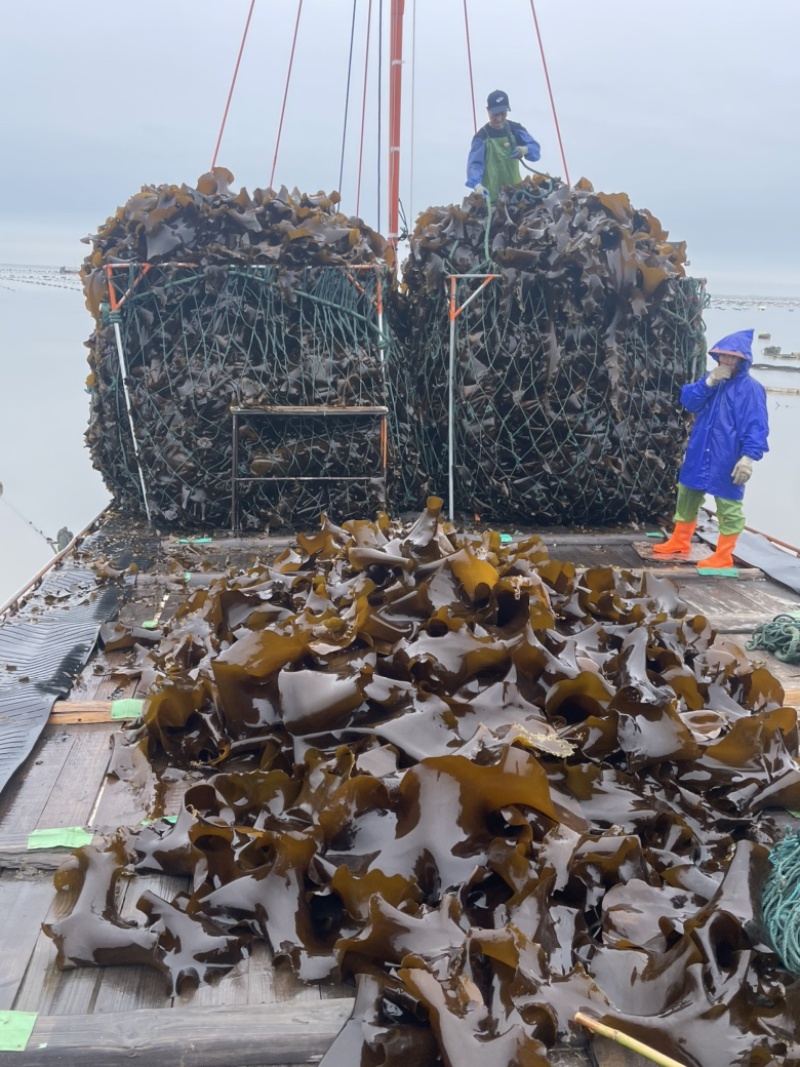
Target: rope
x=380 y=103
x=347 y=94
x=469 y=61
x=550 y=91
x=363 y=110
x=781 y=637
x=413 y=107
x=29 y=523
x=286 y=92
x=233 y=83
x=780 y=902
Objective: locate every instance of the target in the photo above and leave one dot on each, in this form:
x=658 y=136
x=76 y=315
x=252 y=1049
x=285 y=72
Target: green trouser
x=499 y=168
x=730 y=513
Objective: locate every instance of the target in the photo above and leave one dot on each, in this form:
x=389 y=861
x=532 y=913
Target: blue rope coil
x=780 y=902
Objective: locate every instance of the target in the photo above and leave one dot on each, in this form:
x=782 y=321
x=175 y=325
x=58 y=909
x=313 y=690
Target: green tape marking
x=163 y=818
x=505 y=538
x=149 y=624
x=126 y=709
x=16 y=1028
x=719 y=572
x=60 y=837
x=187 y=576
x=195 y=540
x=654 y=533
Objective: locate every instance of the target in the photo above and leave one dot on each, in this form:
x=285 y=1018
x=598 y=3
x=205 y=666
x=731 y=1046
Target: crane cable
x=26 y=520
x=233 y=83
x=363 y=110
x=550 y=91
x=347 y=94
x=413 y=111
x=286 y=92
x=469 y=62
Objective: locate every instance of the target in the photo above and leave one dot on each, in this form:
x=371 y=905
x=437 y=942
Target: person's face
x=497 y=121
x=726 y=359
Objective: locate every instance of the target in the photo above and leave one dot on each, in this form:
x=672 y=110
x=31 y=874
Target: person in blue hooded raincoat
x=729 y=435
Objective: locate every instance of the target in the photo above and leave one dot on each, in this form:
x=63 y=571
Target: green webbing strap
x=780 y=901
x=781 y=637
x=60 y=837
x=126 y=709
x=16 y=1028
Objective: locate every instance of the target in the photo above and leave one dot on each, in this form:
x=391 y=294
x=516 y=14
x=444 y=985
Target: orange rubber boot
x=679 y=544
x=722 y=556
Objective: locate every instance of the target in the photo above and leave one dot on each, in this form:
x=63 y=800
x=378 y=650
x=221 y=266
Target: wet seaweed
x=490 y=788
x=568 y=365
x=222 y=299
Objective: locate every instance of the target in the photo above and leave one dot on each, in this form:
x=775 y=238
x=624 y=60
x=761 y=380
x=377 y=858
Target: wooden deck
x=258 y=1013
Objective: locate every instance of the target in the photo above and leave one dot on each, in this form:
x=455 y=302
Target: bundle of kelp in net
x=489 y=788
x=208 y=300
x=568 y=365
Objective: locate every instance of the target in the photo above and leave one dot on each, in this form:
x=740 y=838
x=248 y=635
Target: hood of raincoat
x=740 y=343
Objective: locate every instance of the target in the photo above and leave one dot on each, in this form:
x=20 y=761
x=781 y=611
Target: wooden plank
x=268 y=984
x=692 y=574
x=24 y=903
x=123 y=989
x=26 y=796
x=75 y=791
x=153 y=795
x=235 y=1036
x=40 y=985
x=84 y=711
x=16 y=855
x=322 y=410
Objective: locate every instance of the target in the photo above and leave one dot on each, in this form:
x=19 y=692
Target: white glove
x=481 y=190
x=742 y=471
x=719 y=374
x=519 y=152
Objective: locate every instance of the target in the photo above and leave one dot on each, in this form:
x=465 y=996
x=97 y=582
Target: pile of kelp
x=569 y=364
x=221 y=300
x=491 y=788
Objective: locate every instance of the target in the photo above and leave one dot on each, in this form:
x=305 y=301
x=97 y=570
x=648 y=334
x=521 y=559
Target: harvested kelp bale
x=208 y=300
x=568 y=364
x=490 y=788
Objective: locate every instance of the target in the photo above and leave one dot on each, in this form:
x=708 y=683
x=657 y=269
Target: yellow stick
x=628 y=1042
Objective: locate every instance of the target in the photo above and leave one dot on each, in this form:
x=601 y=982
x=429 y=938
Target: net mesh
x=567 y=371
x=568 y=365
x=198 y=342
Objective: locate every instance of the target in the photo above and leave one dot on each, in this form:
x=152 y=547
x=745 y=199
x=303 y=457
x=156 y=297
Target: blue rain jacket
x=731 y=422
x=477 y=150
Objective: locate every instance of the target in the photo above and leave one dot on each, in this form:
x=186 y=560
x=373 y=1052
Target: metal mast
x=395 y=112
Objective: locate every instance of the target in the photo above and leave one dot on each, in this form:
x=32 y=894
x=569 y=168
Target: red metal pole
x=395 y=113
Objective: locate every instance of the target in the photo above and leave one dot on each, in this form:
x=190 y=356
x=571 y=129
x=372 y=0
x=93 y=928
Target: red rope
x=363 y=111
x=233 y=83
x=550 y=91
x=469 y=60
x=286 y=93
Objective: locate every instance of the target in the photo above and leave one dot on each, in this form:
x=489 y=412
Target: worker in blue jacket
x=729 y=435
x=497 y=148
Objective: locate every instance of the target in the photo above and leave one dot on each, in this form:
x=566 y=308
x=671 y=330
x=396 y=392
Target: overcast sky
x=692 y=107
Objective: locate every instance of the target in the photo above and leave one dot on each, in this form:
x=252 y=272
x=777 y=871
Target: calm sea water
x=48 y=480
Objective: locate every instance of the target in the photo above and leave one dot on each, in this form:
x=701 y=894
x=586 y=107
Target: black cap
x=497 y=101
